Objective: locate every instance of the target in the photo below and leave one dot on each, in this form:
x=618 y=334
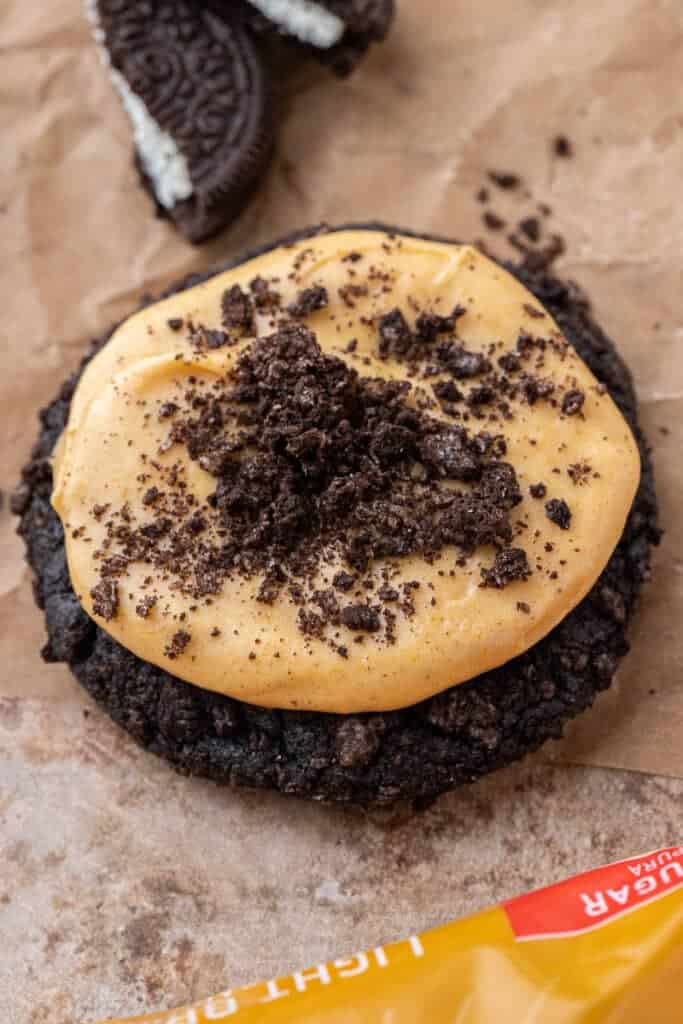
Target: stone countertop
x=99 y=917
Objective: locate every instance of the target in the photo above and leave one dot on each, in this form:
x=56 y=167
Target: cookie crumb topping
x=326 y=477
x=314 y=465
x=558 y=512
x=326 y=474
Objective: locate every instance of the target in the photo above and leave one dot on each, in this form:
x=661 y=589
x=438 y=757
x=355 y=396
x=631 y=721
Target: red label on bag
x=592 y=900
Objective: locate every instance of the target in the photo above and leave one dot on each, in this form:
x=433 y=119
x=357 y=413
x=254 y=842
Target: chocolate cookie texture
x=416 y=752
x=196 y=92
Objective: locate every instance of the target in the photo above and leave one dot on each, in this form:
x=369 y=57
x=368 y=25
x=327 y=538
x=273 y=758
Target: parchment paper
x=124 y=887
x=461 y=87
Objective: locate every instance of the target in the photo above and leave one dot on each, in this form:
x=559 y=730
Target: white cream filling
x=304 y=19
x=163 y=162
x=161 y=158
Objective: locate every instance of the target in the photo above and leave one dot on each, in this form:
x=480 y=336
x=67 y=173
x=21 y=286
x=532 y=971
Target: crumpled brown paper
x=460 y=88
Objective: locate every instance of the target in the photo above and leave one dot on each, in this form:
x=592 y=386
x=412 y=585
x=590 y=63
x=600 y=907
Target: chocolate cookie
x=337 y=32
x=417 y=752
x=196 y=91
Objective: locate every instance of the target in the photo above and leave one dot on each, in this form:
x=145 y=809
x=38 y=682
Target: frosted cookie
x=362 y=517
x=195 y=90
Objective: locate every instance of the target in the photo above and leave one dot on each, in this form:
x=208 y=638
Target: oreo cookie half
x=196 y=92
x=413 y=753
x=337 y=32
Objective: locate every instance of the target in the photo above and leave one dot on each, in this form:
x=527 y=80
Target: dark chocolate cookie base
x=415 y=753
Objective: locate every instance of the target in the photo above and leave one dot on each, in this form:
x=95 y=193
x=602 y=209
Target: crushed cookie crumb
x=177 y=644
x=530 y=228
x=510 y=564
x=580 y=473
x=360 y=617
x=145 y=606
x=492 y=221
x=237 y=309
x=504 y=179
x=563 y=147
x=309 y=301
x=558 y=512
x=106 y=599
x=573 y=402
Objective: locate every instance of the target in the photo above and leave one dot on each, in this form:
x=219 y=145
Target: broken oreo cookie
x=195 y=84
x=337 y=32
x=196 y=93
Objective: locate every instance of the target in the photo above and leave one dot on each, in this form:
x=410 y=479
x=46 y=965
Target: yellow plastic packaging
x=604 y=947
